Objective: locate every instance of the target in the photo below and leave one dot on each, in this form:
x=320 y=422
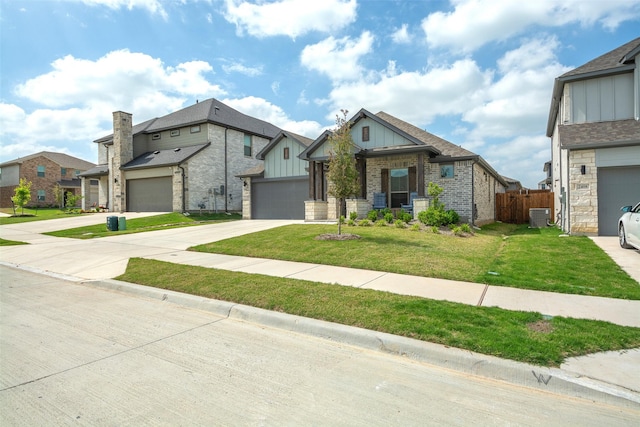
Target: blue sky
x=476 y=73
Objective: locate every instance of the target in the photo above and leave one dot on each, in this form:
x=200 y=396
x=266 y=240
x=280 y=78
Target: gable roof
x=171 y=157
x=619 y=60
x=299 y=139
x=64 y=160
x=208 y=111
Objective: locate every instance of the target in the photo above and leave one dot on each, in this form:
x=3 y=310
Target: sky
x=478 y=73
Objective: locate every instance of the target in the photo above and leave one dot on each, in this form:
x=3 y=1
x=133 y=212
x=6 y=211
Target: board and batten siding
x=602 y=99
x=379 y=136
x=276 y=166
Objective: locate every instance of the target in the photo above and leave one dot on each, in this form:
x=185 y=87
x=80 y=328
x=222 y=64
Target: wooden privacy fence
x=513 y=206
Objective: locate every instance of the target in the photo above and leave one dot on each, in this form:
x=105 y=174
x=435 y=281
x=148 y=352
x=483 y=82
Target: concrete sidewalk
x=105 y=258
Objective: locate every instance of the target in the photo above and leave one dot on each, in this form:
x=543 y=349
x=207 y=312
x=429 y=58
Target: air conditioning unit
x=539 y=217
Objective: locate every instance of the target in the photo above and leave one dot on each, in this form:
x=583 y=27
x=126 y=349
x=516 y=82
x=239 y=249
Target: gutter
x=183 y=190
x=226 y=188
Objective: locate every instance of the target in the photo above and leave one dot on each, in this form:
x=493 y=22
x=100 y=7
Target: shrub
x=351 y=222
x=435 y=230
x=406 y=217
x=353 y=216
x=386 y=211
x=381 y=223
x=365 y=223
x=400 y=223
x=466 y=228
x=451 y=217
x=415 y=227
x=341 y=219
x=388 y=217
x=372 y=216
x=436 y=215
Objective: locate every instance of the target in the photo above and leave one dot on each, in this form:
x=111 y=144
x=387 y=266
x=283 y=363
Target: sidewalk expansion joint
x=484 y=292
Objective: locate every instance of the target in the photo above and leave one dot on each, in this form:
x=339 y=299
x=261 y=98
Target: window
x=195 y=129
x=286 y=153
x=446 y=171
x=365 y=133
x=63 y=171
x=41 y=171
x=175 y=132
x=399 y=186
x=77 y=172
x=247 y=145
x=41 y=195
x=155 y=136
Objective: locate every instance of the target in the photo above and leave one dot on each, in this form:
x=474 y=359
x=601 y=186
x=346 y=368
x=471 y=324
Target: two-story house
x=595 y=141
x=45 y=170
x=184 y=161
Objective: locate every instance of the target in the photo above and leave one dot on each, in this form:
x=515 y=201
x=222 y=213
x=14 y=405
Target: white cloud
x=242 y=69
x=474 y=23
x=74 y=100
x=338 y=58
x=401 y=35
x=264 y=110
x=417 y=97
x=521 y=158
x=153 y=6
x=290 y=18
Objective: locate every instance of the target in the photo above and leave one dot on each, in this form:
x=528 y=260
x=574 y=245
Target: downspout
x=226 y=189
x=473 y=193
x=568 y=193
x=183 y=190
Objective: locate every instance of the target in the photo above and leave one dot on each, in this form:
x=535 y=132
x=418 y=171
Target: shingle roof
x=607 y=62
x=445 y=147
x=64 y=160
x=582 y=135
x=100 y=170
x=170 y=157
x=208 y=111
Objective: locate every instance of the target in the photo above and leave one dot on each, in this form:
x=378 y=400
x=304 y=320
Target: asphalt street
x=77 y=354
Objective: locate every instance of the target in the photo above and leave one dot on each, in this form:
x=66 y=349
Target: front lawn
x=34 y=215
x=502 y=254
x=520 y=336
x=150 y=223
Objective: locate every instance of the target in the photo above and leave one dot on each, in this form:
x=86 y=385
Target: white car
x=629 y=227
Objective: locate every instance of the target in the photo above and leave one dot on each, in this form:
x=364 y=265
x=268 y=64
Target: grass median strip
x=150 y=223
x=5 y=242
x=500 y=254
x=520 y=336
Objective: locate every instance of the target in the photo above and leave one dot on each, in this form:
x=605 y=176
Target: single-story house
x=393 y=157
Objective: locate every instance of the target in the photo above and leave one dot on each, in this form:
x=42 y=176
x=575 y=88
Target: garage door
x=279 y=199
x=150 y=195
x=617 y=187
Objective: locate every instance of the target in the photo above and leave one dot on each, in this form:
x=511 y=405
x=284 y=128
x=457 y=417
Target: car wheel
x=623 y=238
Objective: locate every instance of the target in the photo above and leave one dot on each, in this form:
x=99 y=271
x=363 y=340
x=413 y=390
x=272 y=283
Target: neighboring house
x=45 y=170
x=277 y=188
x=397 y=158
x=546 y=184
x=513 y=184
x=184 y=161
x=595 y=141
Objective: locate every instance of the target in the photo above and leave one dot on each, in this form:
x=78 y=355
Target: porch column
x=312 y=180
x=420 y=175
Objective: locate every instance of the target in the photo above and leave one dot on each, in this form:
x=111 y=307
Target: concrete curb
x=552 y=380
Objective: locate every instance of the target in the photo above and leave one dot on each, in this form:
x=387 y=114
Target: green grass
x=486 y=330
x=150 y=223
x=34 y=215
x=4 y=242
x=501 y=254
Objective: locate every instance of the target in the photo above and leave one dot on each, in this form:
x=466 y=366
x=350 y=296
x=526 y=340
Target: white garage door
x=617 y=187
x=150 y=195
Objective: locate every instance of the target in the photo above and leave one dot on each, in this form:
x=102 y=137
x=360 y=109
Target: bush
x=405 y=216
x=386 y=211
x=381 y=223
x=351 y=223
x=466 y=228
x=388 y=217
x=353 y=216
x=436 y=215
x=341 y=220
x=365 y=223
x=372 y=216
x=400 y=223
x=415 y=227
x=451 y=217
x=435 y=230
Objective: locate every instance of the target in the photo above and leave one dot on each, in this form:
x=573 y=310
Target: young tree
x=343 y=174
x=58 y=193
x=22 y=194
x=72 y=199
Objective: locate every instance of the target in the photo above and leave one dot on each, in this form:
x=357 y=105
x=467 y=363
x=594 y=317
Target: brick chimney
x=122 y=154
